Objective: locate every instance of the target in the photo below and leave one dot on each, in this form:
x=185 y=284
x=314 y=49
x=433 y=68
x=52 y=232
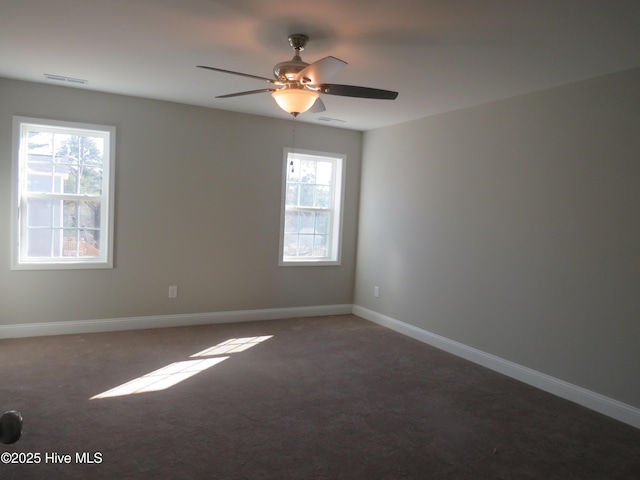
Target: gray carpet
x=323 y=398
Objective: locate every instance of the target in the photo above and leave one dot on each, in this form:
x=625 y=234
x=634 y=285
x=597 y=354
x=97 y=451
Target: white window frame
x=336 y=210
x=20 y=260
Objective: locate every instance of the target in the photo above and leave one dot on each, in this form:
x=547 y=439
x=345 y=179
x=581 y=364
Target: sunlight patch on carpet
x=163 y=378
x=233 y=345
x=177 y=372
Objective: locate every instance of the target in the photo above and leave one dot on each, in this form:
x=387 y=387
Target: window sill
x=61 y=266
x=309 y=263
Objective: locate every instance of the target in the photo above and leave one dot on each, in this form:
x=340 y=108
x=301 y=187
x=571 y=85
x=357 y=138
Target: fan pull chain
x=293 y=145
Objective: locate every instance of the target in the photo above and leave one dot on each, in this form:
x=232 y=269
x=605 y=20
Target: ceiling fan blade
x=320 y=70
x=238 y=73
x=353 y=91
x=317 y=107
x=250 y=92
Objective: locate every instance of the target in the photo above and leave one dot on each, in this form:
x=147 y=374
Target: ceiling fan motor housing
x=287 y=71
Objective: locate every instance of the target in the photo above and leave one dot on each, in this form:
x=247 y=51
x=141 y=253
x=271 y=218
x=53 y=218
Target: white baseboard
x=160 y=321
x=587 y=398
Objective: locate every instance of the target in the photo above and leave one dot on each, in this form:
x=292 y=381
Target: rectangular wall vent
x=60 y=78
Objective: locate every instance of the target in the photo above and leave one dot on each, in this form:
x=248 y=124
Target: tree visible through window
x=64 y=180
x=311 y=208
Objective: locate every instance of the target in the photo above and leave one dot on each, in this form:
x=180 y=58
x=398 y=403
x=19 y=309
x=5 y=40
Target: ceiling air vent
x=60 y=78
x=328 y=119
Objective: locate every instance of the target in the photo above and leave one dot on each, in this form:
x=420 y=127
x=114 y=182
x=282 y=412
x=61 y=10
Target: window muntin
x=63 y=177
x=312 y=208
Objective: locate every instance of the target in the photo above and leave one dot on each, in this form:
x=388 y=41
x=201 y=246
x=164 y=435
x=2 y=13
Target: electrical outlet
x=173 y=291
x=376 y=291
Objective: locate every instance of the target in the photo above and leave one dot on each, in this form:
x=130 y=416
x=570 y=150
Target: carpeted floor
x=322 y=398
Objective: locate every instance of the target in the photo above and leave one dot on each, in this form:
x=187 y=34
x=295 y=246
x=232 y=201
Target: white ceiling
x=440 y=55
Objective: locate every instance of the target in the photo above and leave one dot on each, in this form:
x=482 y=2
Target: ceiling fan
x=298 y=84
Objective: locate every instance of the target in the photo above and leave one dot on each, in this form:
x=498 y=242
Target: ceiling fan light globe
x=295 y=100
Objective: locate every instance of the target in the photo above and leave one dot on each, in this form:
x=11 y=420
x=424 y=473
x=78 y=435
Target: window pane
x=39 y=212
x=65 y=179
x=69 y=243
x=90 y=150
x=323 y=197
x=89 y=211
x=306 y=195
x=307 y=171
x=290 y=245
x=322 y=222
x=91 y=239
x=39 y=143
x=305 y=245
x=91 y=180
x=292 y=194
x=40 y=242
x=324 y=173
x=39 y=174
x=307 y=220
x=60 y=142
x=320 y=246
x=70 y=214
x=291 y=222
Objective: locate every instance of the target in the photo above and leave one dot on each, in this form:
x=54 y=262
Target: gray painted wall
x=514 y=228
x=197 y=205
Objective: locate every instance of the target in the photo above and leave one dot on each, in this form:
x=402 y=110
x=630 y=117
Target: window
x=63 y=194
x=311 y=208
